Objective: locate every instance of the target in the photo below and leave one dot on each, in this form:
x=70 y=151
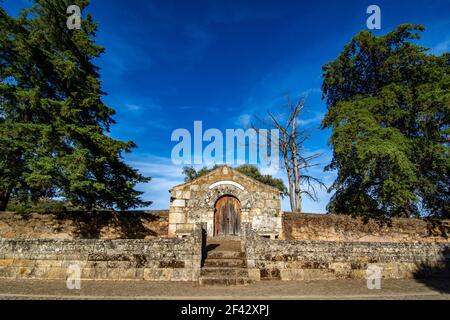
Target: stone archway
x=227 y=216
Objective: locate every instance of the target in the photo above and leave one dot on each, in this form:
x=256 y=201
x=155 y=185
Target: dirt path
x=335 y=289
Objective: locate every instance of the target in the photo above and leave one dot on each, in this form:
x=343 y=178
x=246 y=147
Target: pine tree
x=53 y=122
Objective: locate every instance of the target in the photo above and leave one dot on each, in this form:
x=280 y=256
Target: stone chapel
x=224 y=199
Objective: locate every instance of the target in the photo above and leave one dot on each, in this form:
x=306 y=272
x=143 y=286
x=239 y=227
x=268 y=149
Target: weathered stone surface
x=345 y=228
x=259 y=202
x=178 y=202
x=159 y=259
x=318 y=260
x=79 y=225
x=225 y=264
x=177 y=217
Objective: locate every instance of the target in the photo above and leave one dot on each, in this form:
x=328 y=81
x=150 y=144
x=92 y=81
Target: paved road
x=288 y=290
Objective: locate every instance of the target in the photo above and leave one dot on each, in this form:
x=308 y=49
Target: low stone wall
x=328 y=227
x=321 y=260
x=159 y=259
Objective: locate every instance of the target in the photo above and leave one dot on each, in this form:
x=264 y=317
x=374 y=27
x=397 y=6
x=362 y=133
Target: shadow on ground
x=437 y=276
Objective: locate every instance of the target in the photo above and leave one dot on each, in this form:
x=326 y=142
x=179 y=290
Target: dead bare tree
x=296 y=162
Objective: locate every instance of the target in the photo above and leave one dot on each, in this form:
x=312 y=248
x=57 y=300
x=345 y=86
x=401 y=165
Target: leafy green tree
x=53 y=123
x=388 y=106
x=249 y=170
x=253 y=172
x=191 y=174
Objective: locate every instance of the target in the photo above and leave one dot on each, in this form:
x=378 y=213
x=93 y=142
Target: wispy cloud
x=311 y=91
x=316 y=119
x=442 y=47
x=133 y=107
x=141 y=107
x=120 y=51
x=244 y=120
x=164 y=174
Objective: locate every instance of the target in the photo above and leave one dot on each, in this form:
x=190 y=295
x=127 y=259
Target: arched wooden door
x=227 y=216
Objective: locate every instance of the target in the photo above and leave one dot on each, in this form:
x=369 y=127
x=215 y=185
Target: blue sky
x=169 y=63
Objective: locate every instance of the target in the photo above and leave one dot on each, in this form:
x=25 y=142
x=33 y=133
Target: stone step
x=225 y=255
x=224 y=239
x=214 y=281
x=223 y=262
x=220 y=271
x=224 y=246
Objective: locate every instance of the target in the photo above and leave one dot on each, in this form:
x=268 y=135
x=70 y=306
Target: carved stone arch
x=222 y=190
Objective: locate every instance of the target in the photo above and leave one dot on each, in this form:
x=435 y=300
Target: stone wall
x=157 y=259
x=324 y=227
x=81 y=225
x=320 y=260
x=194 y=202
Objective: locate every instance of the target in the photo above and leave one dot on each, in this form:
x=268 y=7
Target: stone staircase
x=225 y=263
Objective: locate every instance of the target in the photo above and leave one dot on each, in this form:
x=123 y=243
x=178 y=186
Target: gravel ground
x=271 y=290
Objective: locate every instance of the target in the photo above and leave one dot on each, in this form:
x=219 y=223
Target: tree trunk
x=297 y=187
x=284 y=151
x=4 y=199
x=291 y=187
x=293 y=147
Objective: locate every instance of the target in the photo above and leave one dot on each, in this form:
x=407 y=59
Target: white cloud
x=442 y=47
x=133 y=107
x=116 y=61
x=244 y=120
x=311 y=91
x=164 y=174
x=138 y=108
x=317 y=119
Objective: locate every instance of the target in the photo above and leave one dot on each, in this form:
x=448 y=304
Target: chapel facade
x=224 y=199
